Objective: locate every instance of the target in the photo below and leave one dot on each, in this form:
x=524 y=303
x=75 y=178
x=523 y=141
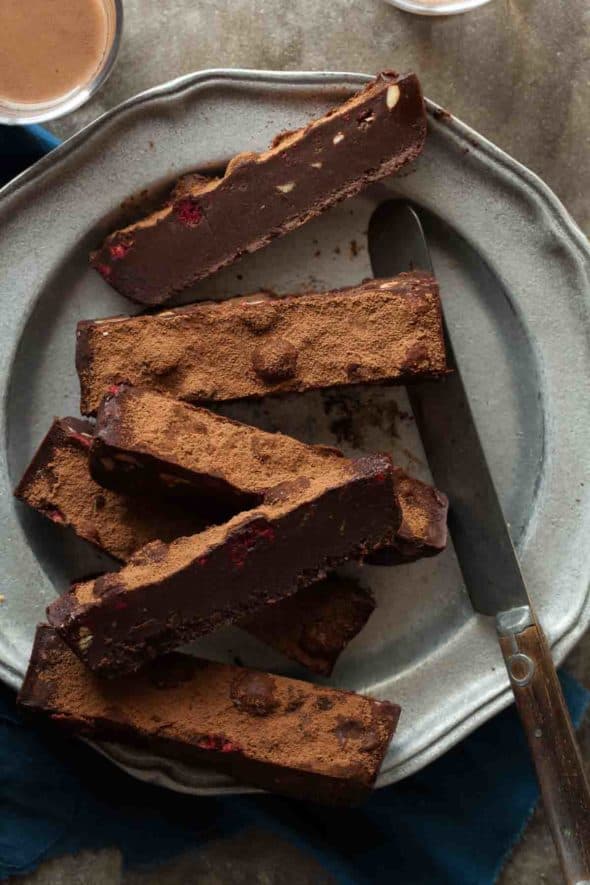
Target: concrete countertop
x=516 y=70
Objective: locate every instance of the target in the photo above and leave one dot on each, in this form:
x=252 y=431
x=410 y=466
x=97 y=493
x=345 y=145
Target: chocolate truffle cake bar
x=209 y=222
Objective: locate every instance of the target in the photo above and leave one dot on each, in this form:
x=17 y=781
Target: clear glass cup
x=20 y=113
x=437 y=7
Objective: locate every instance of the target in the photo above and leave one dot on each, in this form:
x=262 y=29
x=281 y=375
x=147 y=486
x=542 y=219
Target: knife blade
x=488 y=561
x=450 y=438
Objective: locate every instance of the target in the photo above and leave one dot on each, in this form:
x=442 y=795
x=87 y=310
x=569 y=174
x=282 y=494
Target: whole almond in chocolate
x=275 y=360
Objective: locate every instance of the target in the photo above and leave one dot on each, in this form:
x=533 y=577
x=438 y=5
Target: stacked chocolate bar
x=216 y=522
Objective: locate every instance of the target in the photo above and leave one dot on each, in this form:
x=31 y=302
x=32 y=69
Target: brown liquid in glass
x=49 y=47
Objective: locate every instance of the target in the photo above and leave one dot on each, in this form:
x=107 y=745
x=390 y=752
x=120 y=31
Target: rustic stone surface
x=86 y=868
x=253 y=857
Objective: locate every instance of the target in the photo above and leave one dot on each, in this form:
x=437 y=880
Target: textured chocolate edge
x=323 y=619
x=217 y=497
x=113 y=640
x=63 y=433
x=35 y=697
x=115 y=466
x=59 y=435
x=115 y=259
x=408 y=545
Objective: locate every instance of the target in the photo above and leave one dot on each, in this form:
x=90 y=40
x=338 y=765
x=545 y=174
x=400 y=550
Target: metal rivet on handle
x=520 y=669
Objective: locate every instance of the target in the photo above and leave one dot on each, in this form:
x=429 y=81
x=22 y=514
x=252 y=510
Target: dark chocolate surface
x=315 y=625
x=170 y=594
x=210 y=223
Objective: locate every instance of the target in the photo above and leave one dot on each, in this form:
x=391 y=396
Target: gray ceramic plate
x=514 y=273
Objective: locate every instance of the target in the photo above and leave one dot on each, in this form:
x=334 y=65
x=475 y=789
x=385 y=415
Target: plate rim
x=537 y=191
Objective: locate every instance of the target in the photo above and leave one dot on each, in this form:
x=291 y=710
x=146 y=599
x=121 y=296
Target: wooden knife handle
x=553 y=745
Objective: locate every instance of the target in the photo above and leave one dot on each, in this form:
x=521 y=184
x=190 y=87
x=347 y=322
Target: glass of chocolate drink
x=54 y=54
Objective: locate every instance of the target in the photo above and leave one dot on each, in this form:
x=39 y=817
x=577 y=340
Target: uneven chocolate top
x=133 y=422
x=322 y=620
x=168 y=595
x=381 y=330
x=156 y=562
x=58 y=484
x=275 y=720
x=208 y=223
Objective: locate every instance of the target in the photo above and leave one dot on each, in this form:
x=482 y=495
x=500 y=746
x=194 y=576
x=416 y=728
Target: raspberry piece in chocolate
x=119 y=248
x=104 y=270
x=188 y=212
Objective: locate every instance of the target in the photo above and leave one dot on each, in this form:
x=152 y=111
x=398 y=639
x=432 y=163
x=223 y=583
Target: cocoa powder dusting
x=332 y=732
x=200 y=441
x=424 y=511
x=63 y=490
x=322 y=620
x=386 y=330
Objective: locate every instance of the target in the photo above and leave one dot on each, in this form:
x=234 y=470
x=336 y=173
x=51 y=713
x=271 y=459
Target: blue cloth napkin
x=455 y=822
x=20 y=146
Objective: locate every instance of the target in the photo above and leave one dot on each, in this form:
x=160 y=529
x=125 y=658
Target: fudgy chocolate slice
x=168 y=594
x=323 y=619
x=58 y=484
x=145 y=440
x=379 y=331
x=272 y=732
x=423 y=530
x=208 y=223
